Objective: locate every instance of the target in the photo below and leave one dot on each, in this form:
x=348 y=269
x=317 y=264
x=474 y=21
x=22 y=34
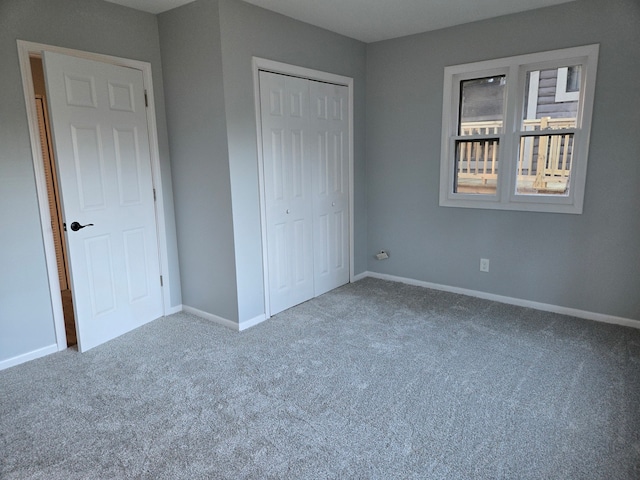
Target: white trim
x=238 y=327
x=361 y=276
x=252 y=322
x=302 y=72
x=211 y=317
x=264 y=64
x=172 y=310
x=545 y=307
x=25 y=357
x=156 y=174
x=261 y=192
x=24 y=50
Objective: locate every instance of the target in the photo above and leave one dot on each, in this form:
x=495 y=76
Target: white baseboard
x=25 y=357
x=211 y=317
x=360 y=276
x=598 y=317
x=252 y=322
x=238 y=327
x=172 y=310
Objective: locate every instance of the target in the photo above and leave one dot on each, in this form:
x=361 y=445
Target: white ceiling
x=152 y=6
x=374 y=20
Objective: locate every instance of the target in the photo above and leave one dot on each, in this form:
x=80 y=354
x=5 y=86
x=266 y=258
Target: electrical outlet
x=382 y=255
x=484 y=264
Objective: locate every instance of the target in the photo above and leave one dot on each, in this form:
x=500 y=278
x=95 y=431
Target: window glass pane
x=551 y=98
x=544 y=165
x=476 y=166
x=481 y=105
x=573 y=79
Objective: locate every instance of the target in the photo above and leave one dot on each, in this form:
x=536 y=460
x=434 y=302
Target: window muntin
x=509 y=142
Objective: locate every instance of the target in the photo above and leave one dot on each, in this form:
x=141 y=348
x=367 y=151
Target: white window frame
x=515 y=69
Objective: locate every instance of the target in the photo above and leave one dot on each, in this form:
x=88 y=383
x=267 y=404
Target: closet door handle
x=288 y=211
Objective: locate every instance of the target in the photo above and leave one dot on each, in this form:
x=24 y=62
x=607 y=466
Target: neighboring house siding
x=547 y=105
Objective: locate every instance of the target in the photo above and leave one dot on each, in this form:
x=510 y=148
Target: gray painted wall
x=587 y=261
x=26 y=318
x=248 y=31
x=590 y=261
x=207 y=50
x=192 y=63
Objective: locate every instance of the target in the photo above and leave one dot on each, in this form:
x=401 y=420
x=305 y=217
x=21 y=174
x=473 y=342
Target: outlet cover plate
x=484 y=264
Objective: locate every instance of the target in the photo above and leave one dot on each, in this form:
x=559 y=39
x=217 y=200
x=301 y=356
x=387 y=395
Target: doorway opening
x=53 y=193
x=157 y=238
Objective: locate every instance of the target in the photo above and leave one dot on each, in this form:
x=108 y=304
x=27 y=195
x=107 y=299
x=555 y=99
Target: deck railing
x=544 y=161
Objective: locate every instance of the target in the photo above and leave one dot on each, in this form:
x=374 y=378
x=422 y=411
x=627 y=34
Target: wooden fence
x=544 y=161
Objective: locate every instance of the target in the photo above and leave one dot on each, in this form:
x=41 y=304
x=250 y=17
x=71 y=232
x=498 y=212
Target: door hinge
x=154 y=194
x=161 y=281
x=146 y=100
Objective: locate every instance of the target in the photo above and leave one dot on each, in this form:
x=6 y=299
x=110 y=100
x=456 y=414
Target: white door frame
x=25 y=49
x=264 y=64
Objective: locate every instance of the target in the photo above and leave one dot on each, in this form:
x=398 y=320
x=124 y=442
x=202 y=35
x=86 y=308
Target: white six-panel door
x=101 y=140
x=305 y=164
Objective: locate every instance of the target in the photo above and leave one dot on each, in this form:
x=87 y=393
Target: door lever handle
x=75 y=226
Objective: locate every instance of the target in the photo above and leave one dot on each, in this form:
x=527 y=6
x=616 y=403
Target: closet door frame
x=263 y=64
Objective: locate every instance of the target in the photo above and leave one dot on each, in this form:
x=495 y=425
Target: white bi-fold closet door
x=305 y=148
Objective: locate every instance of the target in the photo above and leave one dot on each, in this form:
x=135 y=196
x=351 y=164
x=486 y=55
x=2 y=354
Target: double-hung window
x=515 y=133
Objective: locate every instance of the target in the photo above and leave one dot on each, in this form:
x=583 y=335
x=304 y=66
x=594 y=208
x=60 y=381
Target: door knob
x=288 y=211
x=75 y=226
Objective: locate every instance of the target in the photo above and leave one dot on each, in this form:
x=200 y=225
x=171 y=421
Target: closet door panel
x=284 y=103
x=329 y=127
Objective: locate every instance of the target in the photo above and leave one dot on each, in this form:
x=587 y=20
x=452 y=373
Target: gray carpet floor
x=374 y=380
